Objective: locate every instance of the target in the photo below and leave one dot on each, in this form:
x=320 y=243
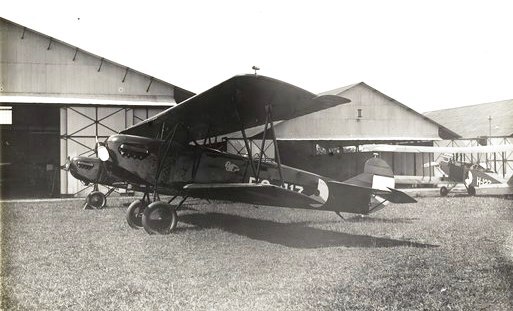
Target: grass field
x=439 y=254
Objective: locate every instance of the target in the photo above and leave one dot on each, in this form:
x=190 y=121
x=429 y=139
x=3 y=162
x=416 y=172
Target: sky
x=428 y=55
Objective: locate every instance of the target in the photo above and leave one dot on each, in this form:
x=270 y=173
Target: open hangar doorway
x=30 y=152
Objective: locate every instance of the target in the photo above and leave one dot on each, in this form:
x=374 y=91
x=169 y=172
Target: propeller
x=66 y=164
x=101 y=151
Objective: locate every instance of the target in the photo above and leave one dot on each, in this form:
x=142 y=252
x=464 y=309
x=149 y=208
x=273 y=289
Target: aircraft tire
x=96 y=199
x=444 y=191
x=471 y=190
x=159 y=218
x=134 y=214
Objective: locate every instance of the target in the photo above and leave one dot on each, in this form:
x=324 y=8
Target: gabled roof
x=180 y=93
x=445 y=133
x=473 y=121
x=340 y=90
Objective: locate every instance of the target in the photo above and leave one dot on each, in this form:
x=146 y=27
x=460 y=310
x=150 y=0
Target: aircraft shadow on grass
x=366 y=219
x=295 y=235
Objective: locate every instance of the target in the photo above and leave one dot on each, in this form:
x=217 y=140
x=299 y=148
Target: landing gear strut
x=471 y=190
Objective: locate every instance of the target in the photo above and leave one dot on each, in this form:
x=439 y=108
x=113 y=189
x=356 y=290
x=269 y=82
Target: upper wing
x=251 y=193
x=239 y=102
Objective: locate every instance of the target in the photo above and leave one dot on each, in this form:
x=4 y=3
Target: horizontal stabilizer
x=396 y=196
x=250 y=193
x=356 y=199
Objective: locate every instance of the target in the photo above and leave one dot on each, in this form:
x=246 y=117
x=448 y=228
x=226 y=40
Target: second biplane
x=476 y=177
x=168 y=154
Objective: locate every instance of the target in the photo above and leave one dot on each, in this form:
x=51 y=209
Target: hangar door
x=81 y=125
x=30 y=152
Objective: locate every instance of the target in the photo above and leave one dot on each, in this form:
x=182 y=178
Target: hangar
x=326 y=142
x=55 y=100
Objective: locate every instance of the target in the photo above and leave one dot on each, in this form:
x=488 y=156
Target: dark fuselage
x=135 y=160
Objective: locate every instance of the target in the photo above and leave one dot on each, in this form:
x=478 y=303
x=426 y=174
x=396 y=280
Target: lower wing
x=342 y=197
x=251 y=193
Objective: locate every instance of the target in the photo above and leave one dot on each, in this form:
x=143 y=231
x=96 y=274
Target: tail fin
x=376 y=175
x=367 y=192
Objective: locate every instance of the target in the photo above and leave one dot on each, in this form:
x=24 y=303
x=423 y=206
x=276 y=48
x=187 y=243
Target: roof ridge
x=341 y=89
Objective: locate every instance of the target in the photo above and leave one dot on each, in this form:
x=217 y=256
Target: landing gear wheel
x=471 y=190
x=96 y=199
x=444 y=191
x=159 y=218
x=134 y=214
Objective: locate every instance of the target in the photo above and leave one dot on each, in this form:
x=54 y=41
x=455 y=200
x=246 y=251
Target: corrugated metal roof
x=472 y=121
x=180 y=93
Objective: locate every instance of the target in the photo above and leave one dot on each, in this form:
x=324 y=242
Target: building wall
x=94 y=97
x=381 y=119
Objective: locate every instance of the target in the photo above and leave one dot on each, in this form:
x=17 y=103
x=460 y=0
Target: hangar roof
x=445 y=132
x=17 y=84
x=473 y=121
x=382 y=119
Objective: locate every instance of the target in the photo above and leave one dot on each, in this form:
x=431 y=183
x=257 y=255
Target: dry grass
x=441 y=253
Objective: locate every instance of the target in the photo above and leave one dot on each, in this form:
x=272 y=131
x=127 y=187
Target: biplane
x=477 y=177
x=169 y=154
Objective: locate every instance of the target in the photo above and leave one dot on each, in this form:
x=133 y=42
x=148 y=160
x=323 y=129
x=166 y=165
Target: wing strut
x=262 y=146
x=269 y=126
x=276 y=150
x=162 y=155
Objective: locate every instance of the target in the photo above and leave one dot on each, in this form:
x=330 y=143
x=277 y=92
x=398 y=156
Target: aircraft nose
x=85 y=168
x=72 y=166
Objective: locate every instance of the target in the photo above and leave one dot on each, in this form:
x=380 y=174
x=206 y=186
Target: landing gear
x=134 y=214
x=95 y=199
x=339 y=215
x=444 y=191
x=159 y=218
x=471 y=190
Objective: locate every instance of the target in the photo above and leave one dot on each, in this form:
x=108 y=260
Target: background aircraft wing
x=431 y=149
x=251 y=193
x=239 y=102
